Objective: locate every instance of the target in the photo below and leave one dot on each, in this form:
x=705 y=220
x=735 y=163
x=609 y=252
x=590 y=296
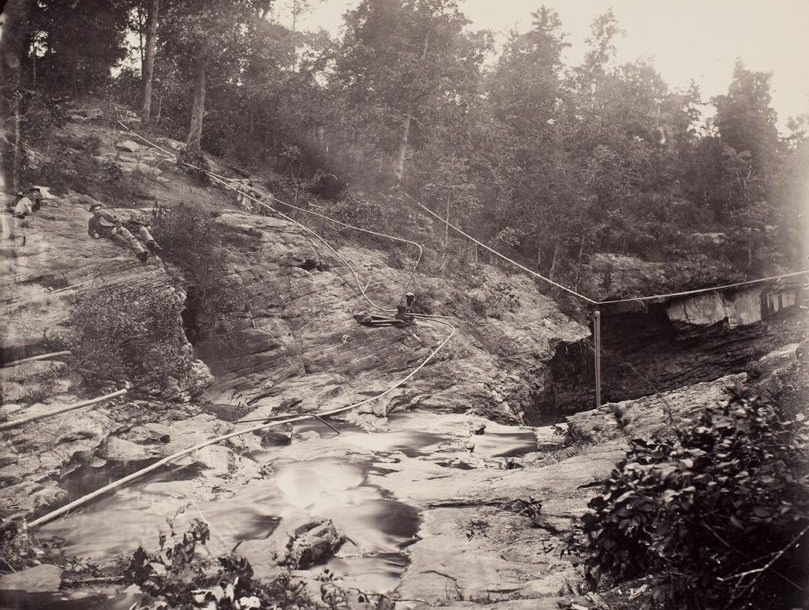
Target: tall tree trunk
x=446 y=239
x=193 y=144
x=140 y=38
x=12 y=52
x=148 y=62
x=18 y=153
x=553 y=258
x=398 y=171
x=578 y=265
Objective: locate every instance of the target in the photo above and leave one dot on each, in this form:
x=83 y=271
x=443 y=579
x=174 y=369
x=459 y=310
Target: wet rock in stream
x=311 y=544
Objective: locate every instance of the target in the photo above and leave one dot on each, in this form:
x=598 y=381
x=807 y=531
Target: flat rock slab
x=38 y=579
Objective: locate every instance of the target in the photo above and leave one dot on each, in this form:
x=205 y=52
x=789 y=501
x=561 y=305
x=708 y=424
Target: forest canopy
x=549 y=162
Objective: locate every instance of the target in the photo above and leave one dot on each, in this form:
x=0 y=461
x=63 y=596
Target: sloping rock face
x=664 y=346
x=297 y=338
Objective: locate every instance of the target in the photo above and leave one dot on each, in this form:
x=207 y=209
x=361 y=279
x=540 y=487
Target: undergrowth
x=720 y=513
x=128 y=334
x=191 y=240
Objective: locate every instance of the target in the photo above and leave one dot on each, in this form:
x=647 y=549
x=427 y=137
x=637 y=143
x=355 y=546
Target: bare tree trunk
x=159 y=110
x=446 y=239
x=553 y=259
x=578 y=266
x=148 y=62
x=15 y=177
x=193 y=144
x=398 y=171
x=12 y=51
x=140 y=37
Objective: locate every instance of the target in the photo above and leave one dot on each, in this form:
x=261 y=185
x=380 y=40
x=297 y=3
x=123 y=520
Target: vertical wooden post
x=597 y=340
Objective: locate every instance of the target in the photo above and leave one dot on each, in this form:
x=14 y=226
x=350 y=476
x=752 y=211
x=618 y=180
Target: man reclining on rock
x=107 y=224
x=27 y=203
x=375 y=321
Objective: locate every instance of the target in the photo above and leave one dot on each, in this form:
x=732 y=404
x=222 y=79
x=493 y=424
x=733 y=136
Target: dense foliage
x=129 y=334
x=550 y=162
x=721 y=512
x=191 y=241
x=177 y=576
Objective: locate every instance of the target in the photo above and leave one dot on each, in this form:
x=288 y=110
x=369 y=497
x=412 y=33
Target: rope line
x=709 y=289
x=34 y=358
x=608 y=301
x=227 y=183
x=83 y=500
x=503 y=256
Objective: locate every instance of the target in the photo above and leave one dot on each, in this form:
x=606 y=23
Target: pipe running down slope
x=442 y=320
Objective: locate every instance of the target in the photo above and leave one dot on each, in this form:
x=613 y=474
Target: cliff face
x=295 y=338
x=298 y=331
x=669 y=345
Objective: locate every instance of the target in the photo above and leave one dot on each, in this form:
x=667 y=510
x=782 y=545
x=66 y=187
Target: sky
x=685 y=39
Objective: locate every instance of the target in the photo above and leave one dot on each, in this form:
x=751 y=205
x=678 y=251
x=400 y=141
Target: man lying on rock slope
x=106 y=224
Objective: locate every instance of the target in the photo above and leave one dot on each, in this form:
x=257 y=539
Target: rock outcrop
x=298 y=331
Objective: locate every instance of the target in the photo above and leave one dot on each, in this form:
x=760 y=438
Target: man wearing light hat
x=108 y=225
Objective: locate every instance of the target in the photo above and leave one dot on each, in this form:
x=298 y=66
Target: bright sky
x=685 y=39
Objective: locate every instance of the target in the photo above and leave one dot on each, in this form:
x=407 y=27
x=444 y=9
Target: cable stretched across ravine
x=227 y=183
x=436 y=319
x=596 y=302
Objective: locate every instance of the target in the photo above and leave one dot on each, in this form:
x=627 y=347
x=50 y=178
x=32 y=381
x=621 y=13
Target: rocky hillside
x=451 y=501
x=294 y=339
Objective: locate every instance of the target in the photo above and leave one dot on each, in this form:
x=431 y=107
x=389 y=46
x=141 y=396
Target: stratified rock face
x=740 y=308
x=663 y=346
x=299 y=340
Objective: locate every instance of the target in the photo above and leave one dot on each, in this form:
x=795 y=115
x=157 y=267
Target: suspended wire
x=607 y=301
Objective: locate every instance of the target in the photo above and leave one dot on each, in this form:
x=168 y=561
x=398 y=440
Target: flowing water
x=339 y=477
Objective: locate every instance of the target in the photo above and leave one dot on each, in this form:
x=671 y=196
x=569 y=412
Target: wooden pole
x=597 y=340
x=16 y=423
x=33 y=358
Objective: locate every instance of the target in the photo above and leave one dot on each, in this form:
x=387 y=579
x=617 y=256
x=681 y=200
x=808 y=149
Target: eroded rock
x=311 y=544
x=42 y=578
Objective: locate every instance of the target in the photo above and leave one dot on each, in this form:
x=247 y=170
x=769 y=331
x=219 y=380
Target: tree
x=525 y=94
x=79 y=42
x=194 y=31
x=148 y=61
x=745 y=119
x=403 y=64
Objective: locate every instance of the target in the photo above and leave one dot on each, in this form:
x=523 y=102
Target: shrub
x=179 y=576
x=190 y=240
x=357 y=211
x=128 y=334
x=722 y=511
x=195 y=165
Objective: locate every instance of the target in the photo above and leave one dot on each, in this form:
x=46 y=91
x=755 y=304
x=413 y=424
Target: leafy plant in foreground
x=722 y=511
x=129 y=333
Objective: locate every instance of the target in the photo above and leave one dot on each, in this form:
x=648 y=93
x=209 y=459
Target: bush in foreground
x=721 y=512
x=129 y=334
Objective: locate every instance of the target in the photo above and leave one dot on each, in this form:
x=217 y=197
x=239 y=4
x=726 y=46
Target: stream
x=321 y=474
